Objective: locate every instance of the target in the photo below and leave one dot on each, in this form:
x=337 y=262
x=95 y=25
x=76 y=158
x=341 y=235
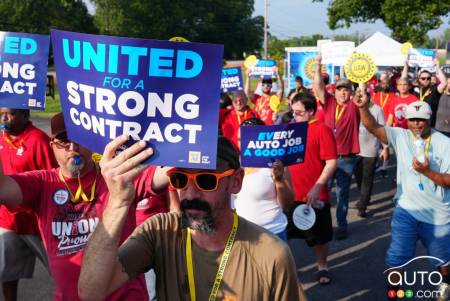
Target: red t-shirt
x=150 y=206
x=384 y=100
x=320 y=146
x=262 y=108
x=231 y=123
x=65 y=227
x=346 y=130
x=29 y=151
x=398 y=110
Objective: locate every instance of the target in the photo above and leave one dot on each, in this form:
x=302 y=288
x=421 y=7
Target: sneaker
x=444 y=292
x=362 y=213
x=340 y=233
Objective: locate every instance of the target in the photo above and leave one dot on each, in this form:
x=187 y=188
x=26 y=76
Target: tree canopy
x=408 y=20
x=39 y=16
x=226 y=22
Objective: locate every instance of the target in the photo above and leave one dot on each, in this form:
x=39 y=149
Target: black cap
x=226 y=152
x=267 y=81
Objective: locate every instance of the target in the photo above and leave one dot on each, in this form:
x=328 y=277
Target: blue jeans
x=343 y=176
x=406 y=231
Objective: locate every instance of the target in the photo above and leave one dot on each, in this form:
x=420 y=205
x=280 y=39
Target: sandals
x=323 y=277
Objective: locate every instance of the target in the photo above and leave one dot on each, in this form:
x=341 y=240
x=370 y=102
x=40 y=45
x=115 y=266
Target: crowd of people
x=222 y=234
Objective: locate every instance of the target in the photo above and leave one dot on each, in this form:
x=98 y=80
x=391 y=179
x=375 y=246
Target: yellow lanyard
x=383 y=101
x=422 y=97
x=339 y=111
x=222 y=265
x=312 y=121
x=12 y=143
x=80 y=193
x=239 y=124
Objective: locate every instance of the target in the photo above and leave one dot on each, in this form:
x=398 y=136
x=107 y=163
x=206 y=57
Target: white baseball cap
x=418 y=109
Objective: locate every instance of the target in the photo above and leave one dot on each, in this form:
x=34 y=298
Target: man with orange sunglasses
x=69 y=201
x=205 y=253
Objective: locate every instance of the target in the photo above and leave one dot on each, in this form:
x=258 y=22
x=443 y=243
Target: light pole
x=266 y=4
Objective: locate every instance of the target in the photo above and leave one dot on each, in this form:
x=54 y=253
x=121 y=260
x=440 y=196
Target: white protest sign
x=422 y=58
x=336 y=53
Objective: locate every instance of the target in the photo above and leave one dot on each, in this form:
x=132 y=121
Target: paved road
x=357 y=263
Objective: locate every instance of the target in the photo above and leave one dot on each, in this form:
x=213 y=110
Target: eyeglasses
x=266 y=85
x=425 y=78
x=205 y=181
x=299 y=113
x=62 y=143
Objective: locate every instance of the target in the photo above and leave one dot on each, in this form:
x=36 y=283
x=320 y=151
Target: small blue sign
x=23 y=70
x=264 y=69
x=231 y=79
x=261 y=145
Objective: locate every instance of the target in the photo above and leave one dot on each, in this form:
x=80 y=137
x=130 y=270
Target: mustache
x=196 y=203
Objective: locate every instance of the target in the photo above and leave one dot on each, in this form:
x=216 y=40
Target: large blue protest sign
x=231 y=79
x=163 y=92
x=263 y=69
x=303 y=63
x=261 y=145
x=23 y=70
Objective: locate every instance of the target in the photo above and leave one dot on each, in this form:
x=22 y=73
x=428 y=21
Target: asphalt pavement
x=356 y=263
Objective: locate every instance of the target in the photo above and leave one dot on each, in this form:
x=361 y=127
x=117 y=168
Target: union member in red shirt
x=384 y=97
x=232 y=119
x=261 y=103
x=22 y=148
x=69 y=201
x=342 y=116
x=397 y=108
x=310 y=181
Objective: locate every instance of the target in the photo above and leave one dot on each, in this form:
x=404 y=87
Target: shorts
x=320 y=233
x=406 y=231
x=16 y=258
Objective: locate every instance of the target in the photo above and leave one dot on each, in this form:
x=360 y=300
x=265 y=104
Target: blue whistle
x=421 y=186
x=77 y=160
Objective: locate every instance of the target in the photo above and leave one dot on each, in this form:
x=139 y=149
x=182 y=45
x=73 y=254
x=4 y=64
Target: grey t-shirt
x=368 y=143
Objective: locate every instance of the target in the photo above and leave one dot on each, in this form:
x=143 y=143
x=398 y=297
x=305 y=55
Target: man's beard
x=203 y=224
x=75 y=168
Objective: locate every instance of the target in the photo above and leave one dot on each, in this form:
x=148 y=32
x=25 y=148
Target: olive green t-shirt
x=260 y=267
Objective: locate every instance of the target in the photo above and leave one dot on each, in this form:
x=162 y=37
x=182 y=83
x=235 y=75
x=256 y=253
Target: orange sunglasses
x=205 y=181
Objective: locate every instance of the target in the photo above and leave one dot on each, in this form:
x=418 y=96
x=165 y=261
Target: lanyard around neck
x=80 y=193
x=222 y=265
x=383 y=101
x=12 y=143
x=339 y=111
x=427 y=143
x=422 y=97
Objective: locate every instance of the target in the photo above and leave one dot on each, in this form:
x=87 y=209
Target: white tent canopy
x=384 y=50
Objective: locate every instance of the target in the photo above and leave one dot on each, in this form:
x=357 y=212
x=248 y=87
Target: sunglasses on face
x=266 y=85
x=299 y=113
x=425 y=78
x=62 y=143
x=205 y=181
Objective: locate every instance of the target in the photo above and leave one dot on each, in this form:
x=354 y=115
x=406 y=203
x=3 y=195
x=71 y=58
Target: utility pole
x=266 y=6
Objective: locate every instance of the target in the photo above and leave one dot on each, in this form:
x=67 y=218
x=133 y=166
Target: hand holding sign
x=360 y=67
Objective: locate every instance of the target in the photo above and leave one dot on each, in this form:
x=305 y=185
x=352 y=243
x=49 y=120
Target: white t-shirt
x=257 y=201
x=368 y=143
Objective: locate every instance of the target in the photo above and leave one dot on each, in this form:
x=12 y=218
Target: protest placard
x=261 y=145
x=23 y=70
x=163 y=92
x=422 y=58
x=263 y=69
x=231 y=79
x=336 y=53
x=360 y=67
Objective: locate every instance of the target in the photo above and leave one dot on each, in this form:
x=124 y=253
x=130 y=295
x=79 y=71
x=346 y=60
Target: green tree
x=408 y=20
x=225 y=22
x=39 y=16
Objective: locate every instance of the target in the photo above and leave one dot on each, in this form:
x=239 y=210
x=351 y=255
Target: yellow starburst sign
x=360 y=67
